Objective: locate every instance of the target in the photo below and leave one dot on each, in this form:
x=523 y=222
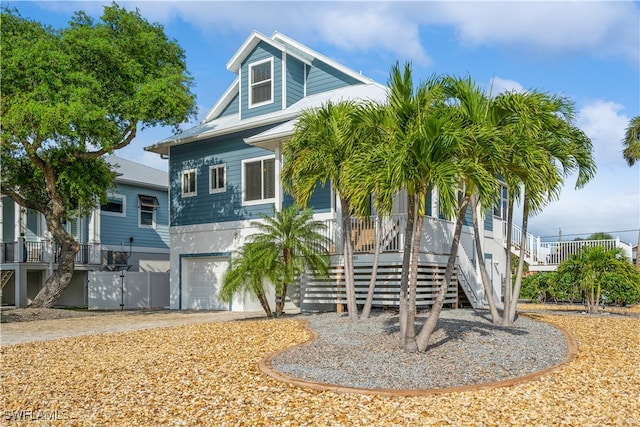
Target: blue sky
x=586 y=50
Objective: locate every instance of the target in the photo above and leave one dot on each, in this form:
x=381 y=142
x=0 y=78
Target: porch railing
x=557 y=252
x=40 y=252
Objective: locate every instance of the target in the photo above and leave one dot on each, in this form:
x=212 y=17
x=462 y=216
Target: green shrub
x=535 y=286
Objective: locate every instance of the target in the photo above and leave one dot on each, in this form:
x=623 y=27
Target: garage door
x=201 y=281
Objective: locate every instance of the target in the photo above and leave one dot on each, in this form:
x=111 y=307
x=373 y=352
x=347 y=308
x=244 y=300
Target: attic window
x=261 y=83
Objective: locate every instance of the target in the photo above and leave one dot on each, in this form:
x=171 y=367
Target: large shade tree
x=72 y=95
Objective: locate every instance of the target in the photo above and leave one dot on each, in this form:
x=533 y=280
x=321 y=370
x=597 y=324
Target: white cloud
x=600 y=28
x=603 y=122
x=498 y=85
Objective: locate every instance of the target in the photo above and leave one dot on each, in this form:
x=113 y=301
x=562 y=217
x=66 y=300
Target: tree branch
x=16 y=197
x=131 y=130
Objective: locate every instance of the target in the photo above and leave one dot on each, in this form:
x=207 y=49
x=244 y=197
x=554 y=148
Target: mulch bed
x=207 y=374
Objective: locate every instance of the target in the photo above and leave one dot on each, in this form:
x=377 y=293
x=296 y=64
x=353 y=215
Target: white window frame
x=244 y=182
x=124 y=206
x=153 y=224
x=195 y=189
x=250 y=84
x=219 y=166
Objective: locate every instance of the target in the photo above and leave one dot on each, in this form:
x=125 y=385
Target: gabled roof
x=137 y=174
x=231 y=123
x=212 y=125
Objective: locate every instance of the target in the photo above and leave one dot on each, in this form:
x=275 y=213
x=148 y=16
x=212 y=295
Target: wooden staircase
x=5 y=276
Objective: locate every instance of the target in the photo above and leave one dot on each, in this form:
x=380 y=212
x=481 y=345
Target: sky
x=588 y=51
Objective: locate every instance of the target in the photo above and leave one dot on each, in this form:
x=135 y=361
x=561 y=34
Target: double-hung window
x=189 y=183
x=217 y=178
x=261 y=83
x=147 y=206
x=259 y=180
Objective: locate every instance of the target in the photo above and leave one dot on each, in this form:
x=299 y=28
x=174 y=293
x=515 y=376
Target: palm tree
x=590 y=267
x=479 y=153
x=322 y=143
x=286 y=245
x=554 y=149
x=631 y=153
x=631 y=141
x=247 y=275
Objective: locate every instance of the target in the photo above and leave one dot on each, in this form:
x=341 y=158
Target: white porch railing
x=557 y=252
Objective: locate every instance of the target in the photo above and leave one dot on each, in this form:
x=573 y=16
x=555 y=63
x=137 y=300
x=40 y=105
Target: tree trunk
x=366 y=310
x=410 y=341
x=430 y=325
x=495 y=316
x=262 y=298
x=513 y=304
x=507 y=267
x=403 y=300
x=638 y=251
x=347 y=246
x=61 y=277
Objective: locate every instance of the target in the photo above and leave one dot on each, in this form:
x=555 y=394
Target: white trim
x=240 y=96
x=224 y=100
x=244 y=182
x=304 y=85
x=222 y=189
x=251 y=42
x=279 y=189
x=195 y=190
x=282 y=39
x=250 y=83
x=153 y=218
x=284 y=80
x=124 y=205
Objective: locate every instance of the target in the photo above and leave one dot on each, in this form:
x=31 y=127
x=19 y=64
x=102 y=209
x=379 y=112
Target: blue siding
x=295 y=80
x=319 y=202
x=115 y=230
x=321 y=77
x=262 y=51
x=205 y=208
x=231 y=108
x=9 y=220
x=488 y=221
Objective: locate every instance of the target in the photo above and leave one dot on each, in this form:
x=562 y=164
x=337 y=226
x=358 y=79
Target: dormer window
x=261 y=83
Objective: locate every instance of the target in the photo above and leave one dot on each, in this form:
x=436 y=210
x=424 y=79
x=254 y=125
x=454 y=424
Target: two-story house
x=129 y=232
x=225 y=171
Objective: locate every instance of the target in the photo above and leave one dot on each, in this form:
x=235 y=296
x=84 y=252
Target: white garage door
x=201 y=281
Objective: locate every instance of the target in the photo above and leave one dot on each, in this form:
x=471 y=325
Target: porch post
x=279 y=189
x=20 y=279
x=94 y=236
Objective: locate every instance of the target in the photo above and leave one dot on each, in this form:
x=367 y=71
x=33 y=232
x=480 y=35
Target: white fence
x=114 y=290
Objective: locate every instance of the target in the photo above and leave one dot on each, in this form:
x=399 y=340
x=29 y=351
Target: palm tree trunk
x=410 y=340
x=262 y=298
x=507 y=272
x=404 y=277
x=511 y=317
x=430 y=325
x=366 y=310
x=495 y=316
x=347 y=245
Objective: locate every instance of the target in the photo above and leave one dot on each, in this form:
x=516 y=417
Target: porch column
x=20 y=279
x=20 y=229
x=94 y=236
x=279 y=189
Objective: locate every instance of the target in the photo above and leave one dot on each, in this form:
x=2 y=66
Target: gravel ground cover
x=207 y=374
x=366 y=354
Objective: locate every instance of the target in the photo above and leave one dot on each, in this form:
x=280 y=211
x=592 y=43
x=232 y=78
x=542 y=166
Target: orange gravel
x=207 y=374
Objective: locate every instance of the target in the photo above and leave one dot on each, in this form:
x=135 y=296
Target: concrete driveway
x=44 y=330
